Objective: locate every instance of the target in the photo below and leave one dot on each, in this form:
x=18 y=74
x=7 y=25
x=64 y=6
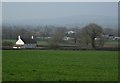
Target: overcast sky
x=40 y=10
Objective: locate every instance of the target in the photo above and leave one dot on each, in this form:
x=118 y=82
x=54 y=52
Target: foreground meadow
x=50 y=65
x=0 y=65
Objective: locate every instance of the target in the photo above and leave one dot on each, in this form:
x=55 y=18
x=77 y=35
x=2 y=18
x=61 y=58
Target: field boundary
x=59 y=82
x=64 y=48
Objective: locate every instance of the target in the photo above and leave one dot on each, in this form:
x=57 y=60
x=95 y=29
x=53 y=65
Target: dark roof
x=29 y=41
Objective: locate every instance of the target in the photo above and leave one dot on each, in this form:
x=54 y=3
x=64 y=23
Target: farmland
x=55 y=65
x=0 y=65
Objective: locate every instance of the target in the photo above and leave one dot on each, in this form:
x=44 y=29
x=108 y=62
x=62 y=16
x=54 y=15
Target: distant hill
x=105 y=21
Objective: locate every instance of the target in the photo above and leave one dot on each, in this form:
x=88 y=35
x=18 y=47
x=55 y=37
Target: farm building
x=71 y=32
x=25 y=43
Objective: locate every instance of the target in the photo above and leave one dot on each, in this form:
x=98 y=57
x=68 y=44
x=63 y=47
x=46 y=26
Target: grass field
x=0 y=65
x=51 y=65
x=111 y=43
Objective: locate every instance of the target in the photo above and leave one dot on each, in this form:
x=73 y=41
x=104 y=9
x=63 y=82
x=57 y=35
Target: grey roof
x=29 y=41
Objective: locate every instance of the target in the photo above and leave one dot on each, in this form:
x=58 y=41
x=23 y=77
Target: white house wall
x=19 y=42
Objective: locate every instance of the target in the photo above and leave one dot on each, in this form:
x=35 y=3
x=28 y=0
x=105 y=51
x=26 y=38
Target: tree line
x=83 y=35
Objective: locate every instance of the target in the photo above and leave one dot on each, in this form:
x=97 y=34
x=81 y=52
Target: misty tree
x=76 y=35
x=99 y=42
x=92 y=31
x=6 y=32
x=57 y=36
x=12 y=31
x=84 y=39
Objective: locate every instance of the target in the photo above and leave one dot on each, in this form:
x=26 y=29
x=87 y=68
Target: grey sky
x=60 y=0
x=40 y=10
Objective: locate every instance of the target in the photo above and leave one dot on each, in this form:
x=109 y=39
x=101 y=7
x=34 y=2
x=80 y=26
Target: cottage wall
x=30 y=45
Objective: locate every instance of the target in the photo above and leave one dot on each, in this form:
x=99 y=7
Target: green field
x=111 y=43
x=0 y=65
x=50 y=65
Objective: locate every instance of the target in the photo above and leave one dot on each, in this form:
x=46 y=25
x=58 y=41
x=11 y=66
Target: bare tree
x=84 y=39
x=92 y=31
x=57 y=36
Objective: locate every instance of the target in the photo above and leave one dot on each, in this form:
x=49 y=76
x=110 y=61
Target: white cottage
x=25 y=43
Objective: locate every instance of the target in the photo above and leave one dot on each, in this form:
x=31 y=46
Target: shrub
x=7 y=43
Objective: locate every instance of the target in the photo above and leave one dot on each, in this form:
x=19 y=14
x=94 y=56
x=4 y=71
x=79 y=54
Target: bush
x=7 y=43
x=53 y=43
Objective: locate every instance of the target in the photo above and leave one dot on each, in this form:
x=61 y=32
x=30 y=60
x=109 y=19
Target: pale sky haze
x=40 y=10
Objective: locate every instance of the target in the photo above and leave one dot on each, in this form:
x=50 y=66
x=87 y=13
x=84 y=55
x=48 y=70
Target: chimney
x=32 y=37
x=18 y=37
